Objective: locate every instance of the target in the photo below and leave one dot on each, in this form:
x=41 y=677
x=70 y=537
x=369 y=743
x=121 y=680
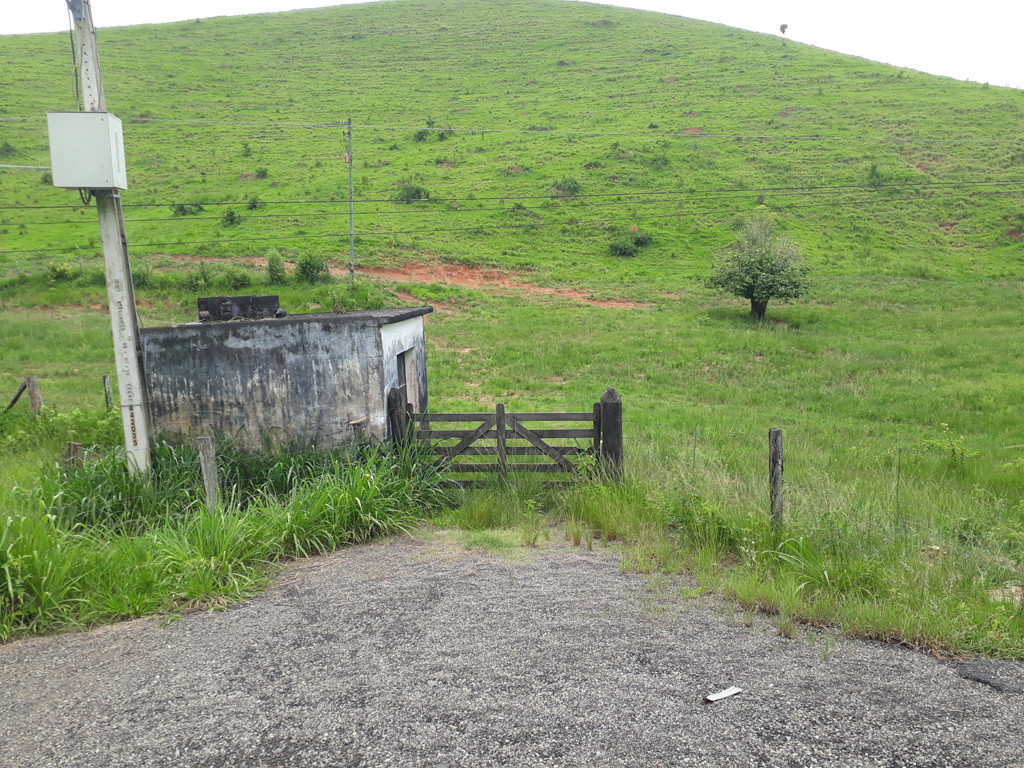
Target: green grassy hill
x=708 y=116
x=543 y=131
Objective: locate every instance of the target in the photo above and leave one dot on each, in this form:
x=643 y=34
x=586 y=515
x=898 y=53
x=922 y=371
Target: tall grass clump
x=916 y=580
x=104 y=544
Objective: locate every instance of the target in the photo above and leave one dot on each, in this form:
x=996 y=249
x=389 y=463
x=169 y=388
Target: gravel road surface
x=417 y=652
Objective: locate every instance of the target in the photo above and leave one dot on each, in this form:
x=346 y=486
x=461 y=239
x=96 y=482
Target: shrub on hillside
x=276 y=272
x=237 y=278
x=629 y=243
x=199 y=279
x=311 y=268
x=567 y=186
x=60 y=272
x=412 y=193
x=186 y=209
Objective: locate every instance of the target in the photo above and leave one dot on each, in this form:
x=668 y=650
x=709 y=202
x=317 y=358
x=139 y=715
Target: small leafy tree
x=761 y=266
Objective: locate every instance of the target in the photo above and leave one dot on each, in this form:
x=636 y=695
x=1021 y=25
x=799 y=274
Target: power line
x=759 y=137
x=739 y=194
x=549 y=196
x=552 y=132
x=477 y=228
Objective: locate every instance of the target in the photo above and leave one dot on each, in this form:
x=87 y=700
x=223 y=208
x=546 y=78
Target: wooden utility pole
x=120 y=291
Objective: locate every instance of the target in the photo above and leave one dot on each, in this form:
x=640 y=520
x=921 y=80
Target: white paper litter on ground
x=722 y=694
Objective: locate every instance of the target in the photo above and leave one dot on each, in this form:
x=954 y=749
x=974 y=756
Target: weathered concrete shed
x=323 y=376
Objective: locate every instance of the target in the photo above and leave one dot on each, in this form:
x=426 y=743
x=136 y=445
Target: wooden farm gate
x=502 y=442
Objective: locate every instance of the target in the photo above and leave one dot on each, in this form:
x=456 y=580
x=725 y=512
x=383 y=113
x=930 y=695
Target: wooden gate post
x=775 y=470
x=108 y=391
x=612 y=454
x=399 y=420
x=35 y=395
x=208 y=462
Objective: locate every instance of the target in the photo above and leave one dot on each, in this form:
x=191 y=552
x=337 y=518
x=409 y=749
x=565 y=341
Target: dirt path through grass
x=418 y=652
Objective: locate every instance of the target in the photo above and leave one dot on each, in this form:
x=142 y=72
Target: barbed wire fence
x=882 y=485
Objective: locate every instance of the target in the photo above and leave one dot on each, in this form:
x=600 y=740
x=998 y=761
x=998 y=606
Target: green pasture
x=543 y=132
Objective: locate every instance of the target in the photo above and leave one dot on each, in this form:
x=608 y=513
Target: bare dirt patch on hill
x=486 y=278
x=432 y=270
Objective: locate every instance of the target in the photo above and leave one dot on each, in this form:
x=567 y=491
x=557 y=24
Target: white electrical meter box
x=86 y=150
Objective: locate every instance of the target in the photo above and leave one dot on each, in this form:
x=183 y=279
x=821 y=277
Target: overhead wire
x=554 y=132
x=793 y=189
x=470 y=211
x=475 y=228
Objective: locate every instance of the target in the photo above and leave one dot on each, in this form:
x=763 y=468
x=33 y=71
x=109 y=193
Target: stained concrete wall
x=298 y=377
x=406 y=337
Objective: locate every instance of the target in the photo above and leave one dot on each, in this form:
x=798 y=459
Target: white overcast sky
x=979 y=40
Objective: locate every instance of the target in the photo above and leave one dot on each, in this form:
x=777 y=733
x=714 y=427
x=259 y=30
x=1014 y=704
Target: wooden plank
x=473 y=436
x=567 y=416
x=572 y=416
x=473 y=482
x=512 y=450
x=17 y=395
x=512 y=467
x=534 y=438
x=582 y=434
x=450 y=416
x=108 y=392
x=450 y=434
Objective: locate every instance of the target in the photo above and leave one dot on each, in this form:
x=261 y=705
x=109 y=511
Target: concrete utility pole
x=124 y=319
x=351 y=214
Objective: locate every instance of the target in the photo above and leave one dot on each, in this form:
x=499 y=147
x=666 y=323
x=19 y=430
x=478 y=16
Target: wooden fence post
x=775 y=470
x=399 y=419
x=72 y=458
x=108 y=391
x=611 y=433
x=35 y=395
x=208 y=462
x=499 y=440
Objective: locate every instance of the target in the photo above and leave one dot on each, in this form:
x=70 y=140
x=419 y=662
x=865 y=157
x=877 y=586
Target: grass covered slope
x=694 y=118
x=553 y=139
